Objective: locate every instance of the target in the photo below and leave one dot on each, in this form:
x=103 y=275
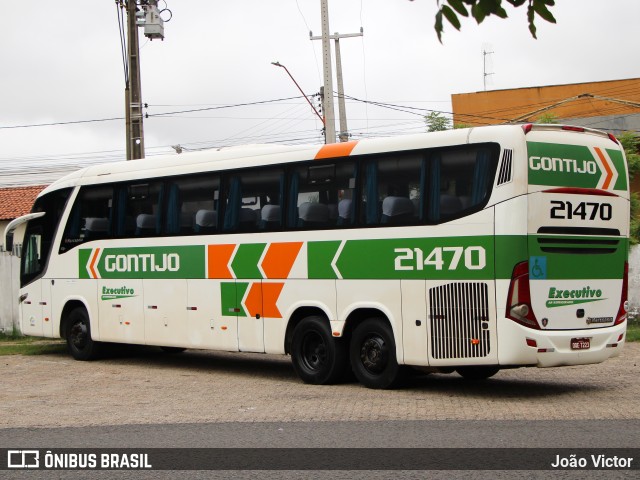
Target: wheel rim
x=314 y=351
x=374 y=354
x=78 y=335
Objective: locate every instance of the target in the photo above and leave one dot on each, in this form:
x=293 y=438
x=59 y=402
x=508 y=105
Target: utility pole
x=328 y=78
x=133 y=90
x=149 y=18
x=327 y=106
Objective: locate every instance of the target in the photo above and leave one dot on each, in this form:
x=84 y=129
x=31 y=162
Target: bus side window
x=248 y=193
x=90 y=218
x=321 y=195
x=392 y=190
x=460 y=181
x=139 y=209
x=192 y=205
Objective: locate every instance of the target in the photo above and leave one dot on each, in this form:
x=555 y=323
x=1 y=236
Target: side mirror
x=8 y=242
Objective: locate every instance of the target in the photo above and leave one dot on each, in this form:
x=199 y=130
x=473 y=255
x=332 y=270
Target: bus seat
x=206 y=221
x=95 y=228
x=344 y=211
x=270 y=217
x=396 y=209
x=313 y=214
x=248 y=219
x=465 y=201
x=449 y=204
x=333 y=212
x=145 y=224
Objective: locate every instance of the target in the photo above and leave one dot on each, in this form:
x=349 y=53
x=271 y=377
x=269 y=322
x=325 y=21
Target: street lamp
x=278 y=64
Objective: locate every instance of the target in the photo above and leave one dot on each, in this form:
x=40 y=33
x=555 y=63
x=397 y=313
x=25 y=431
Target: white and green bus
x=469 y=250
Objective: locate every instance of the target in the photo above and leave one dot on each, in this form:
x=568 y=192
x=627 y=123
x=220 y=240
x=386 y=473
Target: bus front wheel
x=317 y=357
x=78 y=334
x=373 y=354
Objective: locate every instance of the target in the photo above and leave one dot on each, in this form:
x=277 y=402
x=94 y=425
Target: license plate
x=580 y=343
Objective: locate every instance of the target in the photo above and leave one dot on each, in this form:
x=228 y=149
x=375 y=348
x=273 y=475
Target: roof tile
x=17 y=201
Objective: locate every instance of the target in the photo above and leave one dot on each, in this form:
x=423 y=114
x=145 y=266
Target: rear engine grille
x=459 y=316
x=579 y=246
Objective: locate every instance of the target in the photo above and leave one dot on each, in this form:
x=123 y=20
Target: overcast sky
x=61 y=62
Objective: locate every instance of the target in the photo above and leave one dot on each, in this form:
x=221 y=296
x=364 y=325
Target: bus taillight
x=624 y=304
x=519 y=307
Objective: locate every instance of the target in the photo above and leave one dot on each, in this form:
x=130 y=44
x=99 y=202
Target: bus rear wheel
x=373 y=354
x=480 y=372
x=78 y=334
x=317 y=357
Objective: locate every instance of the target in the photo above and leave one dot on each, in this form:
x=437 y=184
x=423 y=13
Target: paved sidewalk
x=148 y=387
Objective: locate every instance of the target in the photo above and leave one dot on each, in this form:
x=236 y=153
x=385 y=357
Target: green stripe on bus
x=575 y=258
x=320 y=255
x=245 y=262
x=449 y=258
x=146 y=262
x=563 y=165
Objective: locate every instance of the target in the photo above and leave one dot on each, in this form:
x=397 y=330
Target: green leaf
x=531 y=15
x=542 y=10
x=478 y=13
x=459 y=7
x=551 y=3
x=517 y=3
x=501 y=12
x=438 y=26
x=451 y=16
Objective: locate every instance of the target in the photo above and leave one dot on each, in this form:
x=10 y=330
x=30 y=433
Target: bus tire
x=317 y=357
x=480 y=372
x=78 y=335
x=373 y=354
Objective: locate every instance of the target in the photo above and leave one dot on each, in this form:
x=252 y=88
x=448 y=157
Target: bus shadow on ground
x=250 y=364
x=499 y=387
x=278 y=367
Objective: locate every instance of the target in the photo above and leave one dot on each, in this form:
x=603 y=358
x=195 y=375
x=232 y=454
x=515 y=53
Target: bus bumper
x=519 y=345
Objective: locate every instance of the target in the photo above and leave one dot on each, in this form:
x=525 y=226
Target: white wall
x=9 y=280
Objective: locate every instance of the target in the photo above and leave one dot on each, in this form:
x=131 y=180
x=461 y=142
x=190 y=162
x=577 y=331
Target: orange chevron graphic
x=92 y=264
x=607 y=167
x=218 y=260
x=332 y=150
x=279 y=259
x=261 y=299
x=270 y=295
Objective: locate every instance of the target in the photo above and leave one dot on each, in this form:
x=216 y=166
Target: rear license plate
x=580 y=343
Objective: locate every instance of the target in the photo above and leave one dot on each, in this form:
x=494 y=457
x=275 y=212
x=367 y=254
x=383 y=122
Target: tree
x=437 y=122
x=630 y=141
x=548 y=118
x=481 y=9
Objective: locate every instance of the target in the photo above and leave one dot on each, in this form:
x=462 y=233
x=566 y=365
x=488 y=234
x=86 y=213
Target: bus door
x=249 y=307
x=32 y=310
x=165 y=313
x=211 y=314
x=32 y=264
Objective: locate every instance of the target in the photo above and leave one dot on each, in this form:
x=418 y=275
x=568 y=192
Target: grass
x=15 y=344
x=633 y=330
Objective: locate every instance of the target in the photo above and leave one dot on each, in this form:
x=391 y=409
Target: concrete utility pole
x=328 y=78
x=327 y=106
x=133 y=90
